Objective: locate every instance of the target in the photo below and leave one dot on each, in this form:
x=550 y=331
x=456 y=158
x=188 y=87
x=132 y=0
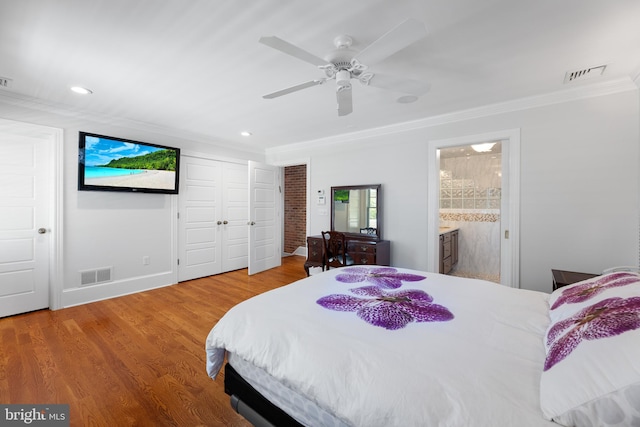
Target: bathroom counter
x=444 y=230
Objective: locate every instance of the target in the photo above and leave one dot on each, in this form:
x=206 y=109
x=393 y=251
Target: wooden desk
x=363 y=251
x=563 y=278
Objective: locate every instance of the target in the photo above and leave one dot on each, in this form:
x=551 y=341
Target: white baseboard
x=86 y=294
x=302 y=251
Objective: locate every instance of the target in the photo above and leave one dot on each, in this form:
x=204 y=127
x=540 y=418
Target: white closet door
x=235 y=254
x=200 y=224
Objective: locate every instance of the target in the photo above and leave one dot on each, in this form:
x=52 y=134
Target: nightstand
x=563 y=278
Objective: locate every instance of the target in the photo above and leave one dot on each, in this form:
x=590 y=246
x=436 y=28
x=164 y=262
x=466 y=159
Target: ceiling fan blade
x=345 y=100
x=398 y=38
x=293 y=89
x=399 y=84
x=295 y=51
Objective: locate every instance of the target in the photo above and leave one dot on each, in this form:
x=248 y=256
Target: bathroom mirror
x=356 y=210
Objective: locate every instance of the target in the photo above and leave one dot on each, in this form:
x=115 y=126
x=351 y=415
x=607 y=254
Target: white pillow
x=592 y=369
x=566 y=301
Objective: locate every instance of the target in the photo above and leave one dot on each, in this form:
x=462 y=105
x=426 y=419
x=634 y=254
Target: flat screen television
x=106 y=163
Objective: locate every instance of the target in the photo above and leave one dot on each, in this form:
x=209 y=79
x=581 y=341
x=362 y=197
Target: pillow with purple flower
x=591 y=373
x=568 y=300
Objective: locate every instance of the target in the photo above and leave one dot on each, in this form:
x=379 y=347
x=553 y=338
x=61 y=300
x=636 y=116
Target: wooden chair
x=335 y=250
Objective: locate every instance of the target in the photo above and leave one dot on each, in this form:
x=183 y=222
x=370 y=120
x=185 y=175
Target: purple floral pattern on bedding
x=383 y=277
x=585 y=291
x=388 y=309
x=606 y=318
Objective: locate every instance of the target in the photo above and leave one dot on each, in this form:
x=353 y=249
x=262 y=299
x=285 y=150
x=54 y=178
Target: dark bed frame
x=246 y=401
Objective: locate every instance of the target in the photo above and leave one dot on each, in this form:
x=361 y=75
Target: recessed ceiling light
x=81 y=90
x=245 y=133
x=483 y=148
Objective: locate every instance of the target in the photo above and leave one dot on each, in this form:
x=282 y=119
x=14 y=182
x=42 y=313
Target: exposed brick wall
x=295 y=207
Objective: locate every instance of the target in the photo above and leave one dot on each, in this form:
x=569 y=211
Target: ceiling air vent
x=584 y=74
x=5 y=82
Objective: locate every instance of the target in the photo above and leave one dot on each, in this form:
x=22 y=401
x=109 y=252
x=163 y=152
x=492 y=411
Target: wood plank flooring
x=136 y=360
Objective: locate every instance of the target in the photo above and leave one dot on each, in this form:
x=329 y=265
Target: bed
x=381 y=346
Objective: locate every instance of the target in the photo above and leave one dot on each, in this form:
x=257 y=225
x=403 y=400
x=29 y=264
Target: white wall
x=579 y=182
x=105 y=229
x=579 y=191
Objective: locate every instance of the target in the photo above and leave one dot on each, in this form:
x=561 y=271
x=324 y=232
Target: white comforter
x=481 y=368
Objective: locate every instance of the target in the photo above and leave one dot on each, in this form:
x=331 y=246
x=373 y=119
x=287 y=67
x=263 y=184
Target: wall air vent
x=5 y=82
x=93 y=277
x=584 y=74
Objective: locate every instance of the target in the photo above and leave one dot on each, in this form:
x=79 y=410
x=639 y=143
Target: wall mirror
x=356 y=210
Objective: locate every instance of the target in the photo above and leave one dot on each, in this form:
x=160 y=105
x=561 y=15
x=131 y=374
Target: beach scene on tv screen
x=126 y=164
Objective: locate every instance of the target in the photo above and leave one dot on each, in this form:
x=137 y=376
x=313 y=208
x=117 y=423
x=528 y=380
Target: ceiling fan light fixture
x=365 y=78
x=343 y=78
x=344 y=64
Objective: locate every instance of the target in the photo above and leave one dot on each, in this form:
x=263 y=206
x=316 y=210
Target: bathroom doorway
x=470 y=199
x=468 y=212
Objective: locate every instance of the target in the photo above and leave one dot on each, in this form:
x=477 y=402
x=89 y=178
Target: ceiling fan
x=344 y=64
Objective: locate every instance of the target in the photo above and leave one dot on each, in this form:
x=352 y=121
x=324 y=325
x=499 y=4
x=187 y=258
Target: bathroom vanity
x=448 y=249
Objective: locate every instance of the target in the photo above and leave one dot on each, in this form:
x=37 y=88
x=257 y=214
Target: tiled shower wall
x=470 y=193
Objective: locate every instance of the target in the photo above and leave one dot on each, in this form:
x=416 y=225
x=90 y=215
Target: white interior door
x=25 y=197
x=235 y=253
x=200 y=224
x=264 y=229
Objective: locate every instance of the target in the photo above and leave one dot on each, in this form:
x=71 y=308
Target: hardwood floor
x=136 y=360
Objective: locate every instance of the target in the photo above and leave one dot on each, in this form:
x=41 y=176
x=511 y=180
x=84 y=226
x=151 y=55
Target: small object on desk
x=563 y=278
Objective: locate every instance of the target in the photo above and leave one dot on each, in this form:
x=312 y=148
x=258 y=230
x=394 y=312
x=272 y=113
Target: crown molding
x=31 y=103
x=558 y=97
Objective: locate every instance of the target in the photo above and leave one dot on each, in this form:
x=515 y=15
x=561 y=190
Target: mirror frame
x=378 y=188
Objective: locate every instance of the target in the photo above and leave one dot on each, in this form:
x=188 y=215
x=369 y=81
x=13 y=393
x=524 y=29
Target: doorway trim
x=296 y=162
x=510 y=246
x=56 y=254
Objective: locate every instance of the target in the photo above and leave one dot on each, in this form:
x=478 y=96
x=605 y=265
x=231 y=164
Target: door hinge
x=506 y=234
x=178 y=261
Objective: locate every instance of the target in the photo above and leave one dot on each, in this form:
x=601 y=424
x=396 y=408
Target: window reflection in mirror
x=355 y=210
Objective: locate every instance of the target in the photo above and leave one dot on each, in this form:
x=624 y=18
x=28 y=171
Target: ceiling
x=196 y=67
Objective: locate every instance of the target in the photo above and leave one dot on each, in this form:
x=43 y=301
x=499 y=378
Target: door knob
x=42 y=230
x=252 y=223
x=219 y=222
x=225 y=222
